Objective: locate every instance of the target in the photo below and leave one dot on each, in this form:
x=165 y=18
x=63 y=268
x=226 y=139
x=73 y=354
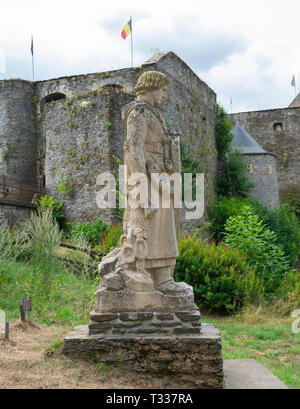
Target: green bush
x=48 y=202
x=291 y=197
x=111 y=239
x=284 y=224
x=287 y=297
x=232 y=178
x=281 y=221
x=92 y=232
x=224 y=136
x=248 y=234
x=221 y=277
x=43 y=236
x=220 y=210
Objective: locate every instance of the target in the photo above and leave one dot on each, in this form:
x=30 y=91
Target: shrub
x=224 y=136
x=284 y=224
x=219 y=211
x=189 y=164
x=43 y=236
x=48 y=202
x=287 y=297
x=92 y=232
x=248 y=234
x=291 y=197
x=281 y=221
x=221 y=277
x=111 y=239
x=232 y=178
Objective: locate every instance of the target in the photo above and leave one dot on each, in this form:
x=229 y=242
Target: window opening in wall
x=278 y=126
x=56 y=96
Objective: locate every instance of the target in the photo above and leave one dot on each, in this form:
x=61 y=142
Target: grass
x=68 y=303
x=253 y=334
x=267 y=338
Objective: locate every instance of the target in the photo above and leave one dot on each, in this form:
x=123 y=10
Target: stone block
x=163 y=355
x=165 y=317
x=188 y=316
x=102 y=317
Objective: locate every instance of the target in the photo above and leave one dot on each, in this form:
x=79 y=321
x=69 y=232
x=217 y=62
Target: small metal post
x=7 y=330
x=22 y=311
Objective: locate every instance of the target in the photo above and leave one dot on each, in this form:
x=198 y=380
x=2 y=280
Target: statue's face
x=158 y=96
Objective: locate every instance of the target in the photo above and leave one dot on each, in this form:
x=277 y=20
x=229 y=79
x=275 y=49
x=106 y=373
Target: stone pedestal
x=147 y=330
x=196 y=358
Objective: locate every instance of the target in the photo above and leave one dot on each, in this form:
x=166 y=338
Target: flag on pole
x=127 y=30
x=31 y=45
x=293 y=83
x=32 y=57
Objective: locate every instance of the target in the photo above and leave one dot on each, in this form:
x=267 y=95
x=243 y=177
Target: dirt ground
x=32 y=359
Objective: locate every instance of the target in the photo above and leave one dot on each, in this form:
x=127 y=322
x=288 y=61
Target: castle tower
x=17 y=131
x=262 y=167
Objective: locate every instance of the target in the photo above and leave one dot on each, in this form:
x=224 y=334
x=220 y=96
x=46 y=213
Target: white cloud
x=245 y=49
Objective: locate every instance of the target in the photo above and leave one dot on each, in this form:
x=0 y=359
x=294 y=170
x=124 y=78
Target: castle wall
x=277 y=131
x=263 y=173
x=82 y=138
x=17 y=131
x=189 y=109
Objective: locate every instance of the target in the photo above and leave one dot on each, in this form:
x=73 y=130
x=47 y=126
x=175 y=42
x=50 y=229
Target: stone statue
x=149 y=245
x=139 y=275
x=141 y=315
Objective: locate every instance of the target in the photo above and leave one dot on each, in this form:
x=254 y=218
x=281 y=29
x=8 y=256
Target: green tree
x=232 y=178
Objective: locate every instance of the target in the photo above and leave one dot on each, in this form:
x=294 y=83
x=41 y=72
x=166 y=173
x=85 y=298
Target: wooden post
x=22 y=311
x=7 y=330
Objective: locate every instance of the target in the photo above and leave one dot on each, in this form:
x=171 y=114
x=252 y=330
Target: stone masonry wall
x=17 y=131
x=83 y=135
x=189 y=109
x=277 y=131
x=263 y=174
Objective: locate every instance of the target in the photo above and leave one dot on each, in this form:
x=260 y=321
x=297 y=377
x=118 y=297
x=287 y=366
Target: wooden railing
x=13 y=190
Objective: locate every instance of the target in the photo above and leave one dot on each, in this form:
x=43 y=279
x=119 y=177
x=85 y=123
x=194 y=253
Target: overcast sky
x=249 y=50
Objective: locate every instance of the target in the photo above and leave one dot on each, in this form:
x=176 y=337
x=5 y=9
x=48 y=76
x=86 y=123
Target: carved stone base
x=195 y=358
x=126 y=300
x=145 y=323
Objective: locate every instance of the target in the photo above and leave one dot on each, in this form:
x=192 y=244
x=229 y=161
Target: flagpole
x=131 y=42
x=32 y=54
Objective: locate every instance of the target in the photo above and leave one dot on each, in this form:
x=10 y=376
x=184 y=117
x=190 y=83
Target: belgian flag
x=127 y=30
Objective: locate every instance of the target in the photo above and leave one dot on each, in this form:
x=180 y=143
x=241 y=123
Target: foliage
x=64 y=186
x=69 y=300
x=189 y=164
x=220 y=210
x=221 y=277
x=281 y=221
x=232 y=179
x=284 y=224
x=47 y=202
x=43 y=236
x=90 y=231
x=111 y=239
x=287 y=297
x=291 y=197
x=224 y=136
x=248 y=234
